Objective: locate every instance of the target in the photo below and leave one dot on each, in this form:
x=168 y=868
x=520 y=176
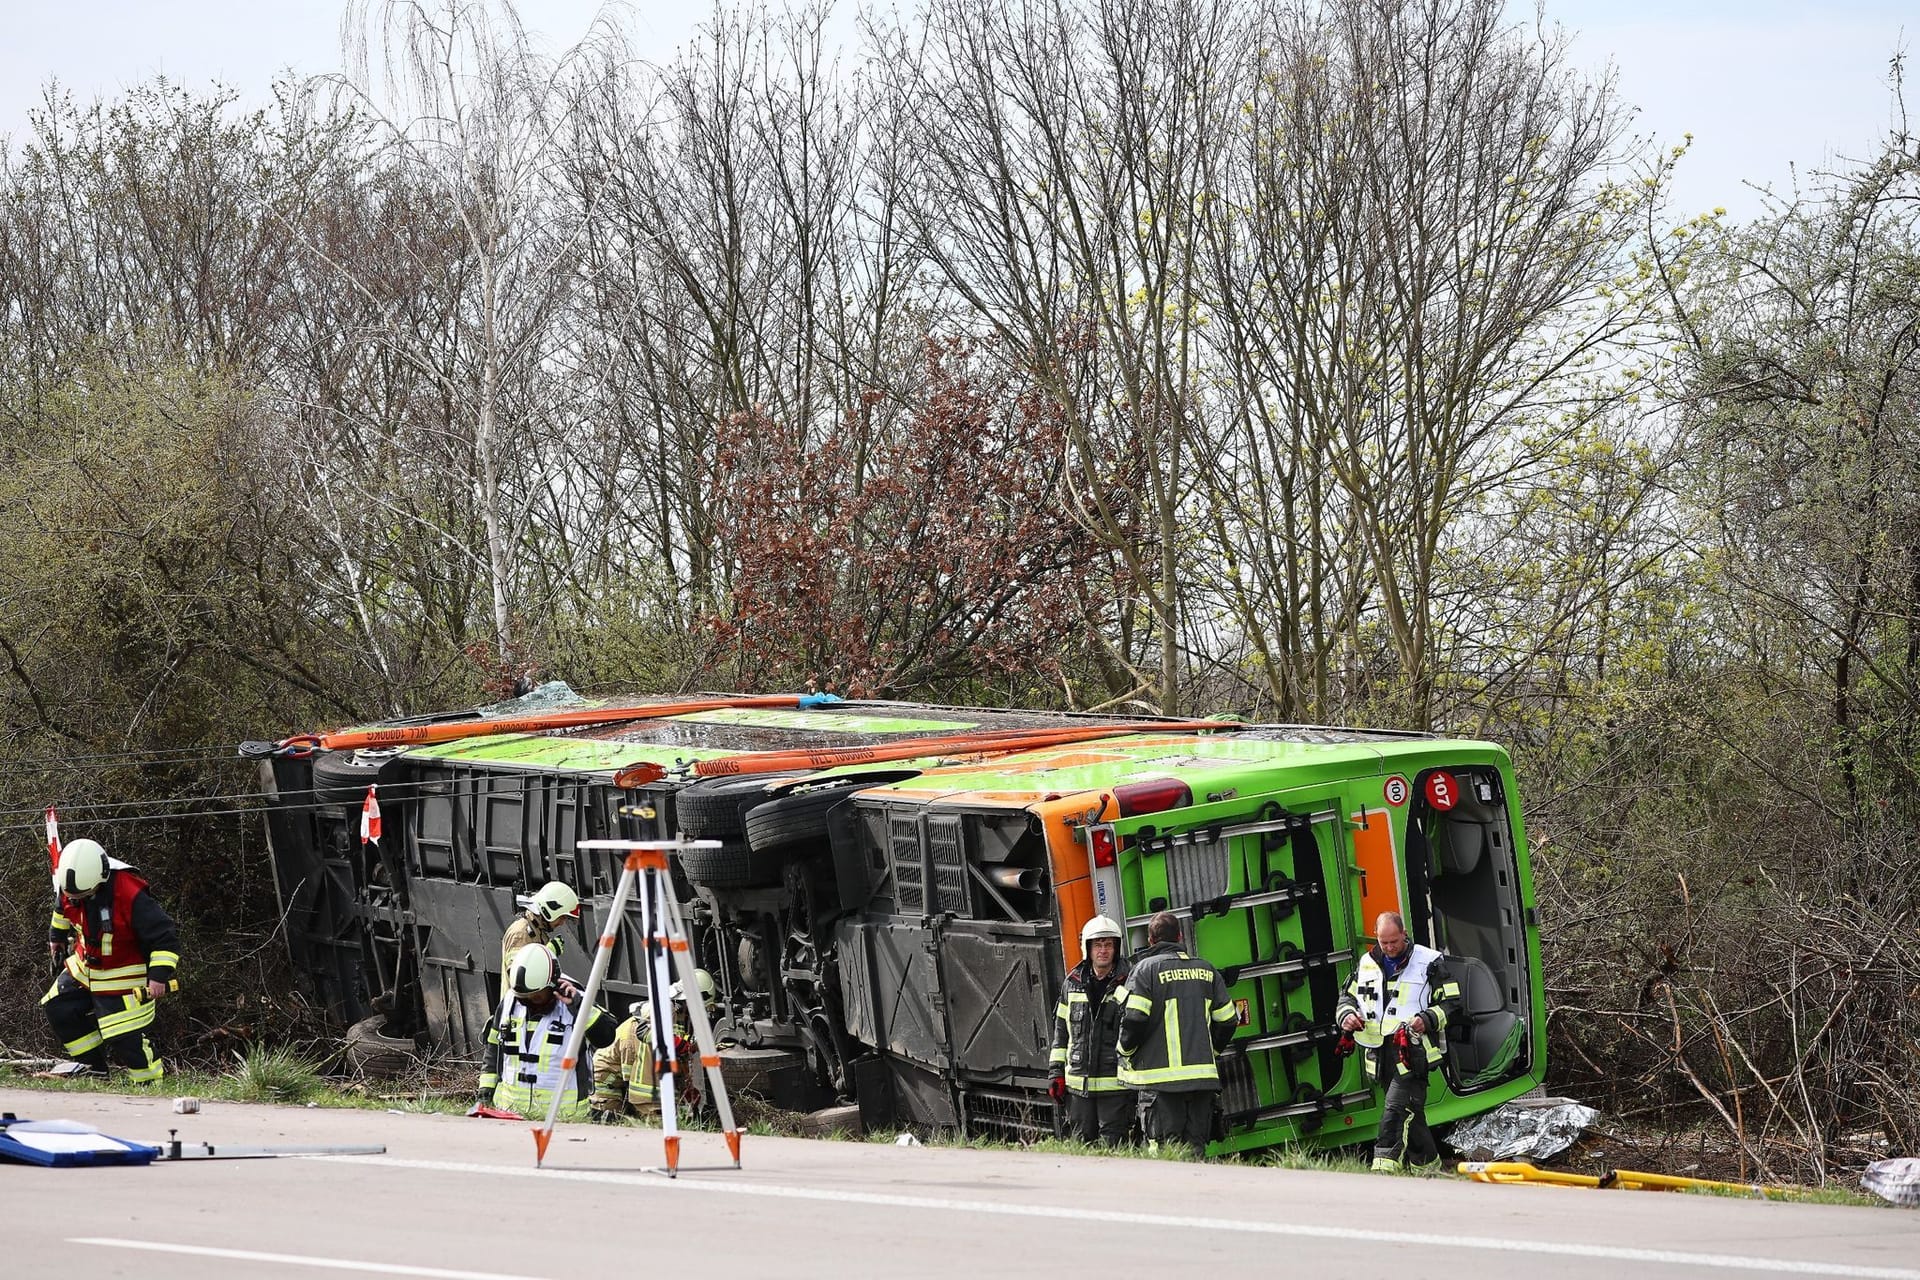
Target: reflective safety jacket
x=524 y=1067
x=526 y=931
x=1086 y=1029
x=124 y=936
x=1178 y=1017
x=626 y=1078
x=1424 y=986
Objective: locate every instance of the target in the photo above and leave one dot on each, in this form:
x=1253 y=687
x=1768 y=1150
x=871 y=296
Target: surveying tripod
x=665 y=940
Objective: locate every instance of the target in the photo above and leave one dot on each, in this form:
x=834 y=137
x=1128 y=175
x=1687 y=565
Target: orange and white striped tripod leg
x=576 y=1035
x=655 y=891
x=703 y=1030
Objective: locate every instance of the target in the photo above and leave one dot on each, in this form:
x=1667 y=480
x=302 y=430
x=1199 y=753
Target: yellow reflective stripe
x=1095 y=1084
x=91 y=1040
x=1137 y=1003
x=489 y=1079
x=131 y=1018
x=1226 y=1013
x=1168 y=1075
x=149 y=1073
x=1170 y=1024
x=1076 y=997
x=1060 y=1010
x=117 y=970
x=124 y=971
x=1058 y=1055
x=61 y=923
x=164 y=957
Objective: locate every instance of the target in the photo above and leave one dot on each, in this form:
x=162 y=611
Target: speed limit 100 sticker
x=1396 y=790
x=1442 y=791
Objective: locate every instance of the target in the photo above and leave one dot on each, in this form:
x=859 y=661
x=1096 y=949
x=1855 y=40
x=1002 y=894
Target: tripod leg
x=655 y=890
x=576 y=1035
x=703 y=1030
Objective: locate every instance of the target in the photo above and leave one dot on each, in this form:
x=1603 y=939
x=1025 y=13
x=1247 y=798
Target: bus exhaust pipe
x=1025 y=879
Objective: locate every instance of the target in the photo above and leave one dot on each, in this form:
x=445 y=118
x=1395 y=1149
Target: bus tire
x=715 y=808
x=371 y=1053
x=734 y=865
x=342 y=777
x=800 y=817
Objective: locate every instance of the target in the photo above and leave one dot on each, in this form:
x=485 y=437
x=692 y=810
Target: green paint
x=590 y=755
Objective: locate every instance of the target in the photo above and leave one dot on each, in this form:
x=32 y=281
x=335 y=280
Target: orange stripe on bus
x=1373 y=853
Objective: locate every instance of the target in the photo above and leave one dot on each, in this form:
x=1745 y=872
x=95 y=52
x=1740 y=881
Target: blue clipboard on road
x=58 y=1144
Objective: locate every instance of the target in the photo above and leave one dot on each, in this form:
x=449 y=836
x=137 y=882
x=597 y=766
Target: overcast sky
x=1763 y=85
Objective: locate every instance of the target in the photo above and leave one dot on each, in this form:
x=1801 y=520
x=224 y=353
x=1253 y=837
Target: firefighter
x=540 y=923
x=1086 y=1035
x=1178 y=1018
x=625 y=1079
x=1396 y=1007
x=122 y=959
x=526 y=1038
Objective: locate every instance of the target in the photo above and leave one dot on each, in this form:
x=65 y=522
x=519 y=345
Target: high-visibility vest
x=525 y=1064
x=1178 y=1016
x=113 y=958
x=1385 y=1006
x=626 y=1069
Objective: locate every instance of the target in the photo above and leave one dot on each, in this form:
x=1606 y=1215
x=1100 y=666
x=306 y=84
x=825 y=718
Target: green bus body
x=906 y=950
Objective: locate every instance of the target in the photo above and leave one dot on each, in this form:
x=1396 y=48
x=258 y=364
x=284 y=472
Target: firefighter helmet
x=83 y=866
x=531 y=970
x=1100 y=927
x=701 y=979
x=555 y=902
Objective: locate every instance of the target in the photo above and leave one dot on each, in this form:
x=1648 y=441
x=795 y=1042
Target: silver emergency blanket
x=1530 y=1129
x=1896 y=1181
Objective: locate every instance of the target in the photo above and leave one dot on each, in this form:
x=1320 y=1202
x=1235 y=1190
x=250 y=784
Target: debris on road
x=57 y=1144
x=1895 y=1181
x=174 y=1149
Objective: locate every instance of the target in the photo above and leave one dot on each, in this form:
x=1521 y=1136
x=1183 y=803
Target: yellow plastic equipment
x=1517 y=1171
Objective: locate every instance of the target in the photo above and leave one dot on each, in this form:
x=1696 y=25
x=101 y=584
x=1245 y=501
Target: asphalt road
x=461 y=1199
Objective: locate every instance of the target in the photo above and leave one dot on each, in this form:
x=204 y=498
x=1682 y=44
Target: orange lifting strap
x=414 y=735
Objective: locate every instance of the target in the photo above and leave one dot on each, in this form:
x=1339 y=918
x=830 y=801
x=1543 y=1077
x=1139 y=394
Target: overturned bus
x=900 y=887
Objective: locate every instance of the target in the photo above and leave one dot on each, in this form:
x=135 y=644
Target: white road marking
x=299 y=1260
x=1088 y=1213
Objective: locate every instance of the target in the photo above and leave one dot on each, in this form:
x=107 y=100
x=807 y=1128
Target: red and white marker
x=1442 y=791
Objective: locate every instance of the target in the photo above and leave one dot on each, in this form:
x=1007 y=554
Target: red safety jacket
x=125 y=937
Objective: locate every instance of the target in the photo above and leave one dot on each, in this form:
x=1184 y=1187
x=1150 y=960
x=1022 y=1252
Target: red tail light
x=1152 y=797
x=1105 y=848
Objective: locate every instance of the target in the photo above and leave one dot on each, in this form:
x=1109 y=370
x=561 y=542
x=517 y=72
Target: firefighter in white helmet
x=1086 y=1035
x=120 y=952
x=526 y=1039
x=548 y=908
x=626 y=1079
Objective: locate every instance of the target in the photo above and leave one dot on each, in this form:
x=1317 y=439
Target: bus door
x=1465 y=899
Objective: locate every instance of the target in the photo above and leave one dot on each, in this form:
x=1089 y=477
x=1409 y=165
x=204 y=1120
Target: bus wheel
x=734 y=865
x=715 y=808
